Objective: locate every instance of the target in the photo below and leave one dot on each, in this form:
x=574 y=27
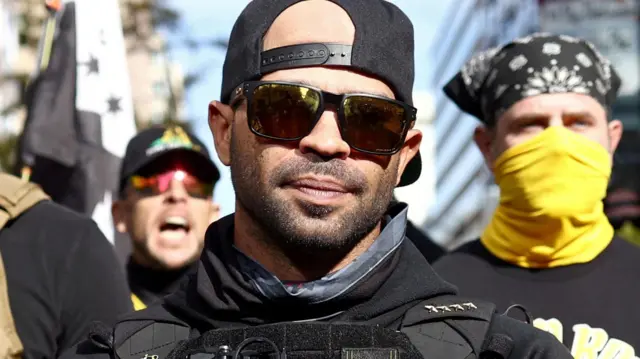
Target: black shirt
x=62 y=274
x=151 y=285
x=594 y=301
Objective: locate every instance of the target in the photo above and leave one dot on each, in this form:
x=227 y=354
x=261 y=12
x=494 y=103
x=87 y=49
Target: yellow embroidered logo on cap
x=172 y=138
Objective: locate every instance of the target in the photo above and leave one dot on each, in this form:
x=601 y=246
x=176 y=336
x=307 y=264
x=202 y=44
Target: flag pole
x=53 y=7
x=44 y=54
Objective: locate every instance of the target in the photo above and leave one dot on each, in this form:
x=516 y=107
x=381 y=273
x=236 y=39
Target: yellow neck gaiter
x=550 y=212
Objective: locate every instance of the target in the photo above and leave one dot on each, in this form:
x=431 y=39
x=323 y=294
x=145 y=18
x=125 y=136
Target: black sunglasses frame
x=246 y=89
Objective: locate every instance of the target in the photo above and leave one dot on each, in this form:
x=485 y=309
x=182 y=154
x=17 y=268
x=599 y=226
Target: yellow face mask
x=550 y=211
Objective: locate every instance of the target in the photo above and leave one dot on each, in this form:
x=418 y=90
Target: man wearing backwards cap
x=547 y=135
x=315 y=122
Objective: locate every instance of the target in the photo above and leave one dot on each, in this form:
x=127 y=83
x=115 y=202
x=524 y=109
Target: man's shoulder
x=473 y=325
x=51 y=213
x=64 y=235
x=500 y=335
x=102 y=340
x=526 y=341
x=55 y=225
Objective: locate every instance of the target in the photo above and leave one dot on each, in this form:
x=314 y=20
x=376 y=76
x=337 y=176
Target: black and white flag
x=80 y=111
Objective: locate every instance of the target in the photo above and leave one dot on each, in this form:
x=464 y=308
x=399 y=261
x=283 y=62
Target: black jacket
x=62 y=274
x=219 y=296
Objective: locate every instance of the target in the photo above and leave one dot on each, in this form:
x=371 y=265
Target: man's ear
x=615 y=134
x=118 y=211
x=220 y=121
x=483 y=139
x=409 y=151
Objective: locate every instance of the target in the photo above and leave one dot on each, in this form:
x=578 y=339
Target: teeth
x=176 y=221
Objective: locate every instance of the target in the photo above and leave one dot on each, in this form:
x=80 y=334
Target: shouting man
x=165 y=206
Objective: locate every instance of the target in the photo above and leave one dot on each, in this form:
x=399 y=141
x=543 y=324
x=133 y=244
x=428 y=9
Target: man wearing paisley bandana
x=547 y=135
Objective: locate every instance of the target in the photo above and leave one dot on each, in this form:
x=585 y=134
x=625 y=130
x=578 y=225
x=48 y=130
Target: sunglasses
x=288 y=112
x=160 y=183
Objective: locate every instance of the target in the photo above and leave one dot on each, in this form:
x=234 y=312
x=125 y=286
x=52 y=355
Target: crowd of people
x=319 y=260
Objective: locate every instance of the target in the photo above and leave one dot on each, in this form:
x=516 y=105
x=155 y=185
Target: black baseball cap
x=383 y=47
x=156 y=142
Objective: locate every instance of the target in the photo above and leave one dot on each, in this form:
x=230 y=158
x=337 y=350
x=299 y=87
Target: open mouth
x=174 y=228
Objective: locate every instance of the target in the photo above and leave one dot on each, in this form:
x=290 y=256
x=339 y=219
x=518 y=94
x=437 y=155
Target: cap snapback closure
x=301 y=55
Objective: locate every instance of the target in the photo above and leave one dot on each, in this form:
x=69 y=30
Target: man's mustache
x=311 y=164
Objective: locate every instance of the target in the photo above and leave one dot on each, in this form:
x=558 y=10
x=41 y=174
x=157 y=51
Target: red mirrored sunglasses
x=160 y=183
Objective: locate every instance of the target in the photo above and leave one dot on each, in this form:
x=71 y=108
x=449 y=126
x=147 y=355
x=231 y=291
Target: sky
x=204 y=20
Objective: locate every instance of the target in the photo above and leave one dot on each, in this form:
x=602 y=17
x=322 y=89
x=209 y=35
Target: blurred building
x=154 y=79
x=420 y=205
x=465 y=192
x=614 y=28
x=9 y=86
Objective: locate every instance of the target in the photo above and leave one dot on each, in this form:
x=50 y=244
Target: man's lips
x=319 y=189
x=324 y=185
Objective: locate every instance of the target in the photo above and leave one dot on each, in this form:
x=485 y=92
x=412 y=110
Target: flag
x=80 y=111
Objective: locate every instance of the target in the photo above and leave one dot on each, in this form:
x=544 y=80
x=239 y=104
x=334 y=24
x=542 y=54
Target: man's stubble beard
x=286 y=224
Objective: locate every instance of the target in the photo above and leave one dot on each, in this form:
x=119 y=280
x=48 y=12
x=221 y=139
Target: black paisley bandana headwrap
x=492 y=81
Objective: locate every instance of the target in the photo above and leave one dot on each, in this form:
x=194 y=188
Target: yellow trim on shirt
x=137 y=303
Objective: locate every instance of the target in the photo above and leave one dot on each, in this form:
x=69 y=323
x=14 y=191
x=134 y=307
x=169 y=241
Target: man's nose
x=556 y=121
x=176 y=191
x=325 y=138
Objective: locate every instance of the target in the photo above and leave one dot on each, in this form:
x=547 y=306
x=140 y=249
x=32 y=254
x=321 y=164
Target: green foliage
x=8 y=152
x=9 y=142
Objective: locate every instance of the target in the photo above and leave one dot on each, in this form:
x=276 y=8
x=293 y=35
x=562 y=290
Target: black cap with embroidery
x=153 y=143
x=383 y=47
